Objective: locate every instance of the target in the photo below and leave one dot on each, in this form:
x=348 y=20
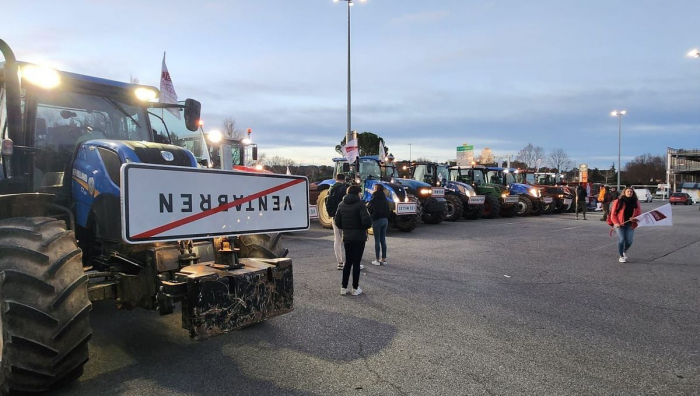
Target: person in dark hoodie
x=353 y=218
x=581 y=198
x=379 y=210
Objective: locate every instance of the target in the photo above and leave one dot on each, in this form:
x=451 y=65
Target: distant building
x=682 y=166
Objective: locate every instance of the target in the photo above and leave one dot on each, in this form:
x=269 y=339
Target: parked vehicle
x=69 y=144
x=497 y=200
x=530 y=201
x=680 y=198
x=366 y=172
x=643 y=194
x=556 y=197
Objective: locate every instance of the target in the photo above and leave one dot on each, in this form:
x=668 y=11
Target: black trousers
x=353 y=256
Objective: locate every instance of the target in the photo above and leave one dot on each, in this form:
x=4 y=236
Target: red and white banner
x=661 y=216
x=351 y=151
x=167 y=90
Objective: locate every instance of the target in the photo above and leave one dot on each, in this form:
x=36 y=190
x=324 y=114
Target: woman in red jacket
x=623 y=216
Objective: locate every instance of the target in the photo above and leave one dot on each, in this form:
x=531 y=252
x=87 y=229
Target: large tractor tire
x=454 y=207
x=474 y=212
x=323 y=217
x=523 y=207
x=492 y=207
x=261 y=246
x=406 y=223
x=44 y=306
x=537 y=207
x=433 y=218
x=560 y=207
x=548 y=208
x=509 y=211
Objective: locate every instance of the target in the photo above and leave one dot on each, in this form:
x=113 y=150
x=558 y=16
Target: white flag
x=382 y=151
x=167 y=90
x=661 y=216
x=288 y=172
x=351 y=151
x=205 y=149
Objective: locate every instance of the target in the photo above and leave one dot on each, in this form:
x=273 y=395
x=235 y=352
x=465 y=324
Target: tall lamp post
x=619 y=115
x=348 y=132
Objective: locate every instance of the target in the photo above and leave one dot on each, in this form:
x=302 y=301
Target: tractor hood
x=412 y=185
x=462 y=188
x=518 y=188
x=147 y=152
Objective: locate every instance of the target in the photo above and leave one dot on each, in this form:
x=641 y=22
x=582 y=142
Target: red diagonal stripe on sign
x=221 y=208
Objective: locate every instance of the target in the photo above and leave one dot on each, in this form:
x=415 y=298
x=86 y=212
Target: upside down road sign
x=169 y=203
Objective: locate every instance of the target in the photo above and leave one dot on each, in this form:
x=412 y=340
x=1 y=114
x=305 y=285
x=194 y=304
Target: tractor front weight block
x=219 y=301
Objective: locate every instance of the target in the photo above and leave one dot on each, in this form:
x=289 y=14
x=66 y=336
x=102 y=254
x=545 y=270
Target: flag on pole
x=382 y=151
x=288 y=172
x=167 y=90
x=351 y=151
x=661 y=216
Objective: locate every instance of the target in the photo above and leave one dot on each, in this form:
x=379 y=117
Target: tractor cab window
x=509 y=178
x=494 y=177
x=443 y=173
x=389 y=172
x=478 y=176
x=65 y=119
x=370 y=169
x=420 y=173
x=167 y=128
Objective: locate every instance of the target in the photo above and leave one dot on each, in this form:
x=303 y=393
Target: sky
x=427 y=75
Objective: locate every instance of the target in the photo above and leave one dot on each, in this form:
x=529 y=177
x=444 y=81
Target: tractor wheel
x=560 y=207
x=509 y=211
x=548 y=208
x=523 y=207
x=473 y=212
x=323 y=217
x=537 y=207
x=261 y=246
x=44 y=306
x=433 y=218
x=454 y=207
x=492 y=207
x=406 y=223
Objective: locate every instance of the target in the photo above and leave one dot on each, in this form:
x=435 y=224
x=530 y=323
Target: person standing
x=623 y=217
x=379 y=210
x=581 y=196
x=335 y=197
x=606 y=199
x=353 y=218
x=614 y=194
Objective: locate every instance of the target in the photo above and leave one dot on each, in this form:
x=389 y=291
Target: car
x=643 y=194
x=680 y=198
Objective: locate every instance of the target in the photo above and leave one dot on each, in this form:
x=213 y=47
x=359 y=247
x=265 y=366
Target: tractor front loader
x=98 y=202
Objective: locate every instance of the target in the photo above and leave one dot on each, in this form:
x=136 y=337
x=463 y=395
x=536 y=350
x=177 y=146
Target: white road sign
x=169 y=203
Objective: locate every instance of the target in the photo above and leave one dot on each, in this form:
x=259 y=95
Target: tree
x=486 y=156
x=609 y=173
x=368 y=143
x=645 y=169
x=559 y=160
x=278 y=164
x=422 y=159
x=228 y=128
x=530 y=154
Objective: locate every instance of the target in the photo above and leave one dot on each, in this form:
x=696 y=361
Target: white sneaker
x=356 y=292
x=375 y=262
x=343 y=291
x=383 y=262
x=362 y=267
x=340 y=266
x=624 y=255
x=622 y=260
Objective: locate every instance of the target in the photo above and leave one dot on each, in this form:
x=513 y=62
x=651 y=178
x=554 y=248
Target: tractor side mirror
x=346 y=167
x=193 y=111
x=254 y=152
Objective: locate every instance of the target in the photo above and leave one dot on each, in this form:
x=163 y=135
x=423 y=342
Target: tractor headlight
x=534 y=192
x=145 y=94
x=395 y=197
x=41 y=76
x=425 y=191
x=504 y=195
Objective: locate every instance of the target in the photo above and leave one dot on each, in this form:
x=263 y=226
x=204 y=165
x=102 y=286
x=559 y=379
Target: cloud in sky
x=432 y=74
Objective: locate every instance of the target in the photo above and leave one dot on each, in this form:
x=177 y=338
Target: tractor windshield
x=443 y=173
x=494 y=177
x=509 y=178
x=423 y=173
x=370 y=169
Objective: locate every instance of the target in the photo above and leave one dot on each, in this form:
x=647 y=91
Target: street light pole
x=619 y=115
x=348 y=131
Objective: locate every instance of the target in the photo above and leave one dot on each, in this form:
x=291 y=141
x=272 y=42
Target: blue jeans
x=379 y=228
x=625 y=237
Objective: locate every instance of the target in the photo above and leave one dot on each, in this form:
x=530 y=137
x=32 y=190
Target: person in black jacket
x=353 y=218
x=581 y=197
x=379 y=210
x=335 y=197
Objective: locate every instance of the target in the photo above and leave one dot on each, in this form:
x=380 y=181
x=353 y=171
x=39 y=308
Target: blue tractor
x=530 y=200
x=67 y=140
x=366 y=172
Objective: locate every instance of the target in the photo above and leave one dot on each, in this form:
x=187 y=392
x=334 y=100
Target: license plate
x=438 y=192
x=477 y=200
x=567 y=201
x=406 y=208
x=313 y=212
x=547 y=200
x=512 y=199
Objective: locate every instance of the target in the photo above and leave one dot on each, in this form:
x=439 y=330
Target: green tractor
x=497 y=200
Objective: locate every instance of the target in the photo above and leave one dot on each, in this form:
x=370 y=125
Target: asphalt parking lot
x=522 y=306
